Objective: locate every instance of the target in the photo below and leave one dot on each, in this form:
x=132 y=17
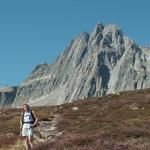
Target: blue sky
x=37 y=31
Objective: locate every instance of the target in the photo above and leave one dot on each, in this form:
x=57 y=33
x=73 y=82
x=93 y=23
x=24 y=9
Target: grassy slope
x=112 y=122
x=9 y=124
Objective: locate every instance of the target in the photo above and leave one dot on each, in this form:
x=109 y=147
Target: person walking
x=27 y=123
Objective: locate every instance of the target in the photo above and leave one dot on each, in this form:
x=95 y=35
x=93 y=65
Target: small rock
x=135 y=108
x=52 y=128
x=75 y=108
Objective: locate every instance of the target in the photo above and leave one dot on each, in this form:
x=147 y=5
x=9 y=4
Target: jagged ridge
x=93 y=64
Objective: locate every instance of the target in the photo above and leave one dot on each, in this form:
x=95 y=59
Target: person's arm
x=36 y=119
x=21 y=123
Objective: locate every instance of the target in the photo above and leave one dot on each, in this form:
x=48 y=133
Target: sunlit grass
x=119 y=121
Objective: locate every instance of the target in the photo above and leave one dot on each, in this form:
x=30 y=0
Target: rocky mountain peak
x=93 y=64
x=112 y=28
x=98 y=28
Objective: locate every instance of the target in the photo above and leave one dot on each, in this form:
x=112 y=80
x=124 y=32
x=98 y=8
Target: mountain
x=7 y=95
x=93 y=64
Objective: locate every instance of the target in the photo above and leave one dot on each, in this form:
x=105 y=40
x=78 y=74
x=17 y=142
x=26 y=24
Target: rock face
x=104 y=61
x=7 y=96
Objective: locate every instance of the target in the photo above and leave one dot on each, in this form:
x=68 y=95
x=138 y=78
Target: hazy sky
x=37 y=31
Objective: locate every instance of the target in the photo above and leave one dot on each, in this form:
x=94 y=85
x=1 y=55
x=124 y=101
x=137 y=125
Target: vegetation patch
x=113 y=122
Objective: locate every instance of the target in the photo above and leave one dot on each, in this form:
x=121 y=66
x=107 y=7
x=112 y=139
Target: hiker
x=27 y=123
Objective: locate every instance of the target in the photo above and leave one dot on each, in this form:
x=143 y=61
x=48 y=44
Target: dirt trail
x=47 y=129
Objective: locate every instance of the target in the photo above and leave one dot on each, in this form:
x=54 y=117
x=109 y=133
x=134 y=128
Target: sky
x=33 y=32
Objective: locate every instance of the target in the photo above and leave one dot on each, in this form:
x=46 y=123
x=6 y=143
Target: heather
x=116 y=122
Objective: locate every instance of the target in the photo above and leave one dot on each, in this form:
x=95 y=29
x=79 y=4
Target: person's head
x=26 y=107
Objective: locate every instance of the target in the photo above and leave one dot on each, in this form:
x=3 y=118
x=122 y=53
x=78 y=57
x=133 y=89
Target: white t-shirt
x=27 y=118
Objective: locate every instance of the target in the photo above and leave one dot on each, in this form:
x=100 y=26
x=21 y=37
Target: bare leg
x=26 y=144
x=30 y=138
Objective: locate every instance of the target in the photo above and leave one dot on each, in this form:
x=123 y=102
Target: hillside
x=116 y=122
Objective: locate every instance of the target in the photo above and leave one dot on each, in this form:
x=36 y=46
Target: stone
x=7 y=95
